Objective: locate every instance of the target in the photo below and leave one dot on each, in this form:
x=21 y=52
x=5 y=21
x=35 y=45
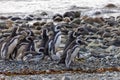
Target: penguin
x=45 y=38
x=49 y=49
x=9 y=42
x=24 y=46
x=20 y=51
x=53 y=42
x=70 y=52
x=71 y=37
x=8 y=47
x=57 y=38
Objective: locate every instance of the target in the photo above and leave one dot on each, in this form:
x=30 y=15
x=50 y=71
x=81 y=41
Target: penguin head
x=45 y=32
x=30 y=33
x=72 y=34
x=80 y=41
x=57 y=28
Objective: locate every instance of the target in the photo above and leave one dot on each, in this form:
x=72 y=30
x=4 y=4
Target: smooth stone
x=57 y=17
x=110 y=6
x=71 y=15
x=15 y=18
x=66 y=19
x=28 y=18
x=65 y=78
x=76 y=21
x=43 y=13
x=39 y=18
x=3 y=18
x=36 y=24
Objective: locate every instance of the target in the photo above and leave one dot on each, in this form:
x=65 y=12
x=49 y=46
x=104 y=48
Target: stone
x=66 y=19
x=9 y=24
x=3 y=18
x=39 y=18
x=65 y=78
x=71 y=15
x=58 y=17
x=43 y=13
x=28 y=18
x=76 y=21
x=110 y=6
x=15 y=18
x=36 y=24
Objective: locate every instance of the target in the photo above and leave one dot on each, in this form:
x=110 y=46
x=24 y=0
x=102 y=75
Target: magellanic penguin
x=72 y=35
x=57 y=36
x=45 y=38
x=25 y=45
x=8 y=47
x=70 y=52
x=53 y=42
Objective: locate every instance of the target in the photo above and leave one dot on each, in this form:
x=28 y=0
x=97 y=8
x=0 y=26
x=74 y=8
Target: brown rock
x=9 y=23
x=110 y=6
x=36 y=24
x=66 y=19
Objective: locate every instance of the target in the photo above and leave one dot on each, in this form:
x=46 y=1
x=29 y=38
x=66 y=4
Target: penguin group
x=22 y=44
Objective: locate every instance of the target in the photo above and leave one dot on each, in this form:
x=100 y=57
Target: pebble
x=110 y=6
x=65 y=78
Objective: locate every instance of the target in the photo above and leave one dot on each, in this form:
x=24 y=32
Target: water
x=51 y=6
x=55 y=6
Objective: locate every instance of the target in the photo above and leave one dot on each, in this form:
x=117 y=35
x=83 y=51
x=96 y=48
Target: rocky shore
x=98 y=60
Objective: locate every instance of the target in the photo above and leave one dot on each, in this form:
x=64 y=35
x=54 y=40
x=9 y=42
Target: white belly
x=73 y=55
x=11 y=47
x=58 y=42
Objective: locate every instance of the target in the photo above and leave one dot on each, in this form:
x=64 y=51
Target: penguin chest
x=12 y=46
x=74 y=53
x=20 y=51
x=57 y=40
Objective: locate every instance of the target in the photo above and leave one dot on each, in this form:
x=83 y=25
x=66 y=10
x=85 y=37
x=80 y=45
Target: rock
x=15 y=18
x=28 y=18
x=36 y=24
x=43 y=13
x=65 y=78
x=42 y=23
x=77 y=14
x=76 y=21
x=66 y=19
x=111 y=48
x=97 y=13
x=58 y=17
x=71 y=15
x=110 y=6
x=3 y=18
x=38 y=28
x=31 y=15
x=2 y=77
x=39 y=18
x=9 y=24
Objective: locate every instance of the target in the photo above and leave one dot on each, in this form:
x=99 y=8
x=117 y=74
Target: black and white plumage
x=70 y=52
x=53 y=42
x=26 y=44
x=56 y=38
x=9 y=46
x=72 y=35
x=45 y=38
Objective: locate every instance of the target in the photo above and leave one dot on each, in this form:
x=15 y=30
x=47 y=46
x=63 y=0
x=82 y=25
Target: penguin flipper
x=68 y=58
